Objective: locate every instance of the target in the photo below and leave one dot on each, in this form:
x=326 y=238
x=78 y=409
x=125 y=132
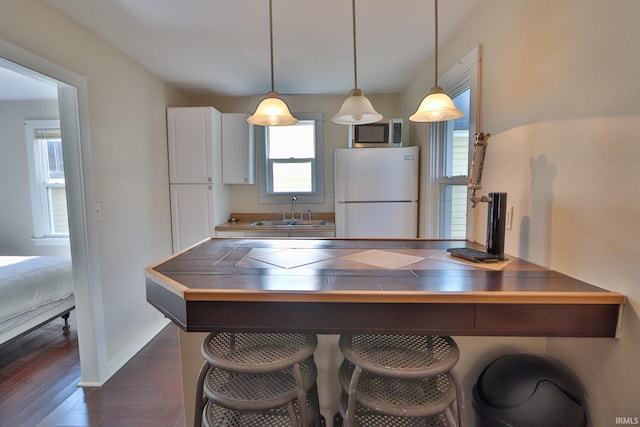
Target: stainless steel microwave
x=380 y=134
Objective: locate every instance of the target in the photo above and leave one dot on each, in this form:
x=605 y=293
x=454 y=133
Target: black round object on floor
x=524 y=390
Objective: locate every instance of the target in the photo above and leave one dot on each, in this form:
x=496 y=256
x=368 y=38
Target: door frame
x=74 y=122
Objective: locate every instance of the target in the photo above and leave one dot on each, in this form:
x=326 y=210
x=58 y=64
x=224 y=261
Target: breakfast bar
x=334 y=286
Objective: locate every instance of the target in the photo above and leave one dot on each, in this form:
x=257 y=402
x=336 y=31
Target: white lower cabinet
x=267 y=234
x=191 y=214
x=230 y=234
x=312 y=234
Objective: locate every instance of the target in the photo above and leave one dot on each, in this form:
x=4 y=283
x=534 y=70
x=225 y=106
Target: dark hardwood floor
x=39 y=374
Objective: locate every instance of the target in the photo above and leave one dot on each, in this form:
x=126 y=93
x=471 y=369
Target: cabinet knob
x=210 y=180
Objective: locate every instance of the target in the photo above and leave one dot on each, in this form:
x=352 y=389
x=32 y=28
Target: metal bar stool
x=258 y=379
x=400 y=376
x=369 y=417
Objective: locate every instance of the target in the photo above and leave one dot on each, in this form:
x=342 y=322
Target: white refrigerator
x=376 y=192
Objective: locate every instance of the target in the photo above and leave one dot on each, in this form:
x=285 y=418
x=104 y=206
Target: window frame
x=464 y=74
x=301 y=160
x=265 y=177
x=42 y=215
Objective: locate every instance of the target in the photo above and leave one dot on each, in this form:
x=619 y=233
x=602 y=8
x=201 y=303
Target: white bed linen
x=29 y=284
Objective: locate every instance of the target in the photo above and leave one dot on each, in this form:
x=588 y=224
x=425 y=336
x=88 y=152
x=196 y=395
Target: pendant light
x=436 y=106
x=356 y=109
x=272 y=110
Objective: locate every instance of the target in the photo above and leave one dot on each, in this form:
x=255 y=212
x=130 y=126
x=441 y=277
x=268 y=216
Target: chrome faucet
x=307 y=213
x=293 y=207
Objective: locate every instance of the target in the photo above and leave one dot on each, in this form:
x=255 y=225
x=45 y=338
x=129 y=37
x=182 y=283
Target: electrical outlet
x=508 y=221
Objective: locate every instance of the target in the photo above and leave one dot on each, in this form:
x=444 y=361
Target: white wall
x=560 y=98
x=128 y=135
x=16 y=220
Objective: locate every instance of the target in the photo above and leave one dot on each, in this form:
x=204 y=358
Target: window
x=291 y=157
x=47 y=182
x=451 y=149
x=291 y=161
x=452 y=179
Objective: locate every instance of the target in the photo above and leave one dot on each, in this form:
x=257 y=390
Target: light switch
x=508 y=221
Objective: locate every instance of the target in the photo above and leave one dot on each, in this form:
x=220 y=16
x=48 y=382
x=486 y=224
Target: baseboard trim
x=129 y=352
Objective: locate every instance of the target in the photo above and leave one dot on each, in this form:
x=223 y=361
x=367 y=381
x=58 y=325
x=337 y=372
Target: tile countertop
x=371 y=286
x=243 y=222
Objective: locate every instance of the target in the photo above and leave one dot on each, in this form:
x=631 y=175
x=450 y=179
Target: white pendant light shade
x=436 y=107
x=272 y=111
x=356 y=110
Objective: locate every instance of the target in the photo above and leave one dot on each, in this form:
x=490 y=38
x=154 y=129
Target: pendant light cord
x=355 y=62
x=271 y=42
x=436 y=26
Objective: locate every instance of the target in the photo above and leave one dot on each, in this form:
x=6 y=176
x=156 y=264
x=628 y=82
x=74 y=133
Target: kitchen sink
x=270 y=223
x=289 y=223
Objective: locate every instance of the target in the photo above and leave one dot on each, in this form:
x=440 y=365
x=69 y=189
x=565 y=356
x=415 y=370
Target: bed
x=34 y=290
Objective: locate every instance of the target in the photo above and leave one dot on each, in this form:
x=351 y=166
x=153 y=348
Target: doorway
x=73 y=110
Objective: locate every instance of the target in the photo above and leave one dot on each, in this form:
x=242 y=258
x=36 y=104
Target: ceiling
x=15 y=86
x=221 y=47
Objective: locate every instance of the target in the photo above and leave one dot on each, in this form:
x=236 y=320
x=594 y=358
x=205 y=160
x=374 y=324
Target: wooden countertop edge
x=485 y=297
x=169 y=284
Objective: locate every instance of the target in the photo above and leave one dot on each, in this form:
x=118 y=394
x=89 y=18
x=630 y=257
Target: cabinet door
x=307 y=234
x=230 y=234
x=191 y=134
x=237 y=149
x=191 y=214
x=267 y=234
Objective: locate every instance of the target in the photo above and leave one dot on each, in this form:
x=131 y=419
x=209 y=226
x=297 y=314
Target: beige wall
x=128 y=139
x=561 y=101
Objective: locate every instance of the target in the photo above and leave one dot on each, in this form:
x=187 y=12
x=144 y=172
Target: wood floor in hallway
x=39 y=374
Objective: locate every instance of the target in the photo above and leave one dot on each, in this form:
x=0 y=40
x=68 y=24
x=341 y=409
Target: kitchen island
x=371 y=286
x=334 y=286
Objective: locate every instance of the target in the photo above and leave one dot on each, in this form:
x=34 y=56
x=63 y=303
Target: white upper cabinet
x=237 y=149
x=193 y=134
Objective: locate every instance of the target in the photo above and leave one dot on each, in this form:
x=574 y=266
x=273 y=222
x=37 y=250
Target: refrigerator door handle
x=340 y=182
